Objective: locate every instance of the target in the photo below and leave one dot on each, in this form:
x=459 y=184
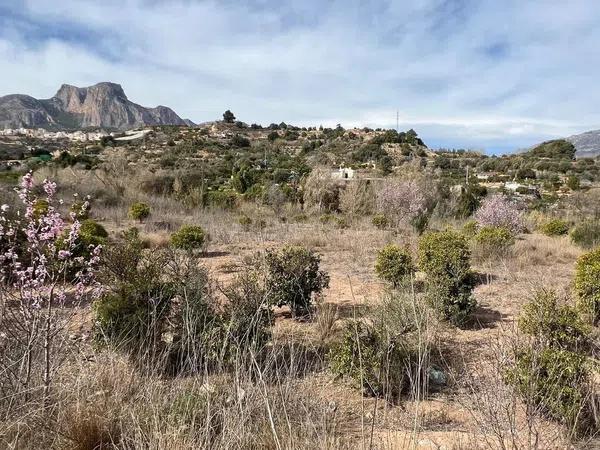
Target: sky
x=478 y=74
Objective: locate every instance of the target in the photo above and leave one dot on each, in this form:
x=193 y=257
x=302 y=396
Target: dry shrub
x=358 y=198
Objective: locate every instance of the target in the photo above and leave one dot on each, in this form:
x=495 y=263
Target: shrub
x=189 y=237
x=445 y=258
x=341 y=223
x=81 y=209
x=493 y=242
x=499 y=211
x=394 y=264
x=139 y=211
x=469 y=229
x=586 y=234
x=403 y=200
x=553 y=324
x=376 y=362
x=228 y=117
x=293 y=276
x=556 y=382
x=245 y=222
x=92 y=233
x=222 y=199
x=587 y=283
x=380 y=221
x=555 y=227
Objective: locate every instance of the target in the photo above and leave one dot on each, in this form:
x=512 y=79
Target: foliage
x=139 y=211
x=556 y=382
x=293 y=276
x=499 y=211
x=40 y=276
x=555 y=227
x=357 y=198
x=394 y=264
x=553 y=324
x=493 y=242
x=469 y=229
x=375 y=360
x=557 y=149
x=586 y=234
x=445 y=258
x=469 y=200
x=321 y=192
x=380 y=221
x=228 y=117
x=587 y=283
x=403 y=200
x=189 y=237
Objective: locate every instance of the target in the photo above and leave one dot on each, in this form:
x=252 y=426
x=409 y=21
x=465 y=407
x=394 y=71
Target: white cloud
x=461 y=72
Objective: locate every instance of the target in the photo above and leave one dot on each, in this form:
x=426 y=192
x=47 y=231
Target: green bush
x=293 y=276
x=189 y=237
x=469 y=229
x=92 y=233
x=222 y=199
x=377 y=362
x=553 y=324
x=493 y=242
x=380 y=221
x=394 y=264
x=587 y=284
x=139 y=211
x=445 y=258
x=556 y=382
x=586 y=234
x=555 y=227
x=245 y=222
x=341 y=223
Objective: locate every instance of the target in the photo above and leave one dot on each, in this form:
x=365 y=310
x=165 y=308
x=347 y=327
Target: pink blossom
x=499 y=211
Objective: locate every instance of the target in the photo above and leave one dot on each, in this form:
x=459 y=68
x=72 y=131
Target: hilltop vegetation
x=240 y=286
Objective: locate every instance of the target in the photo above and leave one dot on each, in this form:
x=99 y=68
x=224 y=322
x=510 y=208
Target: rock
x=102 y=105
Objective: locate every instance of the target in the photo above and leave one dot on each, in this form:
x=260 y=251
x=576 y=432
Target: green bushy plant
x=587 y=284
x=380 y=221
x=376 y=362
x=555 y=227
x=394 y=264
x=493 y=242
x=245 y=222
x=445 y=257
x=550 y=371
x=81 y=210
x=293 y=276
x=556 y=382
x=189 y=237
x=586 y=234
x=552 y=323
x=469 y=229
x=139 y=211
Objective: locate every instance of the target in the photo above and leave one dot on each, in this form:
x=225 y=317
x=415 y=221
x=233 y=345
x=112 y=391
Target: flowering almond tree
x=402 y=200
x=499 y=211
x=43 y=279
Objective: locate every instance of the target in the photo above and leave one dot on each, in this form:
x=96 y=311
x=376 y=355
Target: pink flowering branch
x=39 y=270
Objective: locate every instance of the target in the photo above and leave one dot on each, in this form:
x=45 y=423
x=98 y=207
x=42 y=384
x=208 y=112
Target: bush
x=189 y=237
x=377 y=362
x=80 y=209
x=555 y=227
x=553 y=324
x=293 y=276
x=139 y=211
x=245 y=222
x=445 y=258
x=557 y=383
x=394 y=264
x=587 y=284
x=586 y=234
x=380 y=221
x=469 y=229
x=493 y=242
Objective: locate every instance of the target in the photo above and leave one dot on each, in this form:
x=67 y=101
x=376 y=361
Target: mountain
x=587 y=144
x=103 y=105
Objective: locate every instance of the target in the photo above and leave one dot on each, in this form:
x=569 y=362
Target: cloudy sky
x=487 y=74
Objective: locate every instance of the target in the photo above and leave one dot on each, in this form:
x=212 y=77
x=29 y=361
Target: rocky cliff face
x=102 y=105
x=587 y=144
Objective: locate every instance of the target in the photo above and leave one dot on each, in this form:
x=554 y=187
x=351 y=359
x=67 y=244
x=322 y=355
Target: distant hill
x=103 y=105
x=587 y=144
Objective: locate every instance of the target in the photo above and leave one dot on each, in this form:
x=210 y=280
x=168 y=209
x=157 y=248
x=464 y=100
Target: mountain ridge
x=103 y=105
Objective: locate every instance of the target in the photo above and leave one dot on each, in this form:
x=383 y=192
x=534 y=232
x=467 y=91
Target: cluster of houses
x=40 y=133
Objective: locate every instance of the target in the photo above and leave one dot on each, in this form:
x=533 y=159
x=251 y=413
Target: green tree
x=228 y=117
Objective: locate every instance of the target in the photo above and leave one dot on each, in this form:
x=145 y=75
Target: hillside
x=103 y=105
x=587 y=144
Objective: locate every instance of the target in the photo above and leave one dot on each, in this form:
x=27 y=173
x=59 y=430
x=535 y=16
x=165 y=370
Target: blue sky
x=485 y=74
